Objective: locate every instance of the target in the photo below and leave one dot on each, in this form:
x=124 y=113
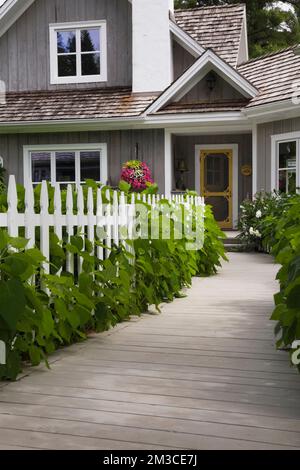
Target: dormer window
x=78 y=52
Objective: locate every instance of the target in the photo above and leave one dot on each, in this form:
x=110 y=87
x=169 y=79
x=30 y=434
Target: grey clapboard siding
x=121 y=147
x=24 y=49
x=264 y=134
x=184 y=148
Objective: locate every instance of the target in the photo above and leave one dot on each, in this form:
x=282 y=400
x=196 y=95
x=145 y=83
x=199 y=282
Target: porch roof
x=73 y=104
x=273 y=75
x=203 y=107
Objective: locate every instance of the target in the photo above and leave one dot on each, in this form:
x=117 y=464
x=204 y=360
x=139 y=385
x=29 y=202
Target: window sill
x=78 y=80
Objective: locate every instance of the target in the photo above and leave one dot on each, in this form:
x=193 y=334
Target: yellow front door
x=216 y=183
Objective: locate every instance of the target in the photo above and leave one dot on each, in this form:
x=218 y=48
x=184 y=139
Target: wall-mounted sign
x=246 y=170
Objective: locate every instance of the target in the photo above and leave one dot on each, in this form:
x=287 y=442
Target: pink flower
x=137 y=174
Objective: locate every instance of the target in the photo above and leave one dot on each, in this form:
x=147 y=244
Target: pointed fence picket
x=115 y=215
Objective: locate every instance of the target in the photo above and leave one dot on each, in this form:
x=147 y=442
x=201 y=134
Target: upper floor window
x=78 y=52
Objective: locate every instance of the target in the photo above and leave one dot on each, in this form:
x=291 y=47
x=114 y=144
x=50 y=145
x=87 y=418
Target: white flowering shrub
x=258 y=218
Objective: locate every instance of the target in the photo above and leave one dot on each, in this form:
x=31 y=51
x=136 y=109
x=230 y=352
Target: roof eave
x=10 y=11
x=277 y=110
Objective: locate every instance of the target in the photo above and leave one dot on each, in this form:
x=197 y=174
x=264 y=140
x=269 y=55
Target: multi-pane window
x=78 y=52
x=65 y=165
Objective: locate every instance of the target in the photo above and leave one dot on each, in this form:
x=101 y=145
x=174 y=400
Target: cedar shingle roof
x=273 y=75
x=203 y=107
x=218 y=28
x=73 y=104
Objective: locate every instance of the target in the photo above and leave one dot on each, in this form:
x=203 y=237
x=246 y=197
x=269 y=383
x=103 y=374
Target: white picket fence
x=112 y=216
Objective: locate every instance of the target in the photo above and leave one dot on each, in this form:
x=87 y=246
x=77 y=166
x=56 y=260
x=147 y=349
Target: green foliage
x=287 y=252
x=279 y=226
x=40 y=312
x=269 y=27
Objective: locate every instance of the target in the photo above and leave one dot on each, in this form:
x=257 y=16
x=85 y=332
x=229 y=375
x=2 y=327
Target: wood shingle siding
x=24 y=48
x=217 y=28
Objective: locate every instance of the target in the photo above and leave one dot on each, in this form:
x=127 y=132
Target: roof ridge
x=269 y=54
x=226 y=5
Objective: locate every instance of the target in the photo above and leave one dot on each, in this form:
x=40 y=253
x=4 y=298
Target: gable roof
x=206 y=62
x=218 y=28
x=273 y=75
x=185 y=40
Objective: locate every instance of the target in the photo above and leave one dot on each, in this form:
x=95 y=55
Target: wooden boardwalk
x=202 y=375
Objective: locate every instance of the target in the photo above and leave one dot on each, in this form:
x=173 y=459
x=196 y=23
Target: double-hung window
x=78 y=52
x=286 y=162
x=65 y=164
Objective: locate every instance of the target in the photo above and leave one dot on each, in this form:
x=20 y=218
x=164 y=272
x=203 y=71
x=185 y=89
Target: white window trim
x=235 y=174
x=275 y=141
x=77 y=148
x=54 y=78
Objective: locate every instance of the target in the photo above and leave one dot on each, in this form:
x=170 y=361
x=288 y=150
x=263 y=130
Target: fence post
x=44 y=226
x=100 y=251
x=90 y=211
x=70 y=228
x=58 y=213
x=29 y=216
x=12 y=212
x=80 y=218
x=108 y=224
x=116 y=219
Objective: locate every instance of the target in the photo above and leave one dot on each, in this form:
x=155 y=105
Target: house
x=93 y=83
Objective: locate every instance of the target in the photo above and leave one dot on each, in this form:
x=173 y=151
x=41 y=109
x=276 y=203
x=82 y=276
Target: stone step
x=236 y=248
x=232 y=241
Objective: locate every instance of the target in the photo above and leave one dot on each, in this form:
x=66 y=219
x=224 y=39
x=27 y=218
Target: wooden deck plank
x=203 y=374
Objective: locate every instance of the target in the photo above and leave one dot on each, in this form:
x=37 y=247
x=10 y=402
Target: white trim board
x=235 y=174
x=254 y=160
x=276 y=139
x=10 y=11
x=27 y=169
x=208 y=61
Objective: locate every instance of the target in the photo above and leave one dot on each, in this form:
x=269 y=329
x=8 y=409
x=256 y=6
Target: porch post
x=254 y=160
x=168 y=162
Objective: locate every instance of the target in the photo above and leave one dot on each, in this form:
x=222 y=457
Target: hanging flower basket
x=137 y=174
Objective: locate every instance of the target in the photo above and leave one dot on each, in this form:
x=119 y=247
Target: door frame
x=235 y=173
